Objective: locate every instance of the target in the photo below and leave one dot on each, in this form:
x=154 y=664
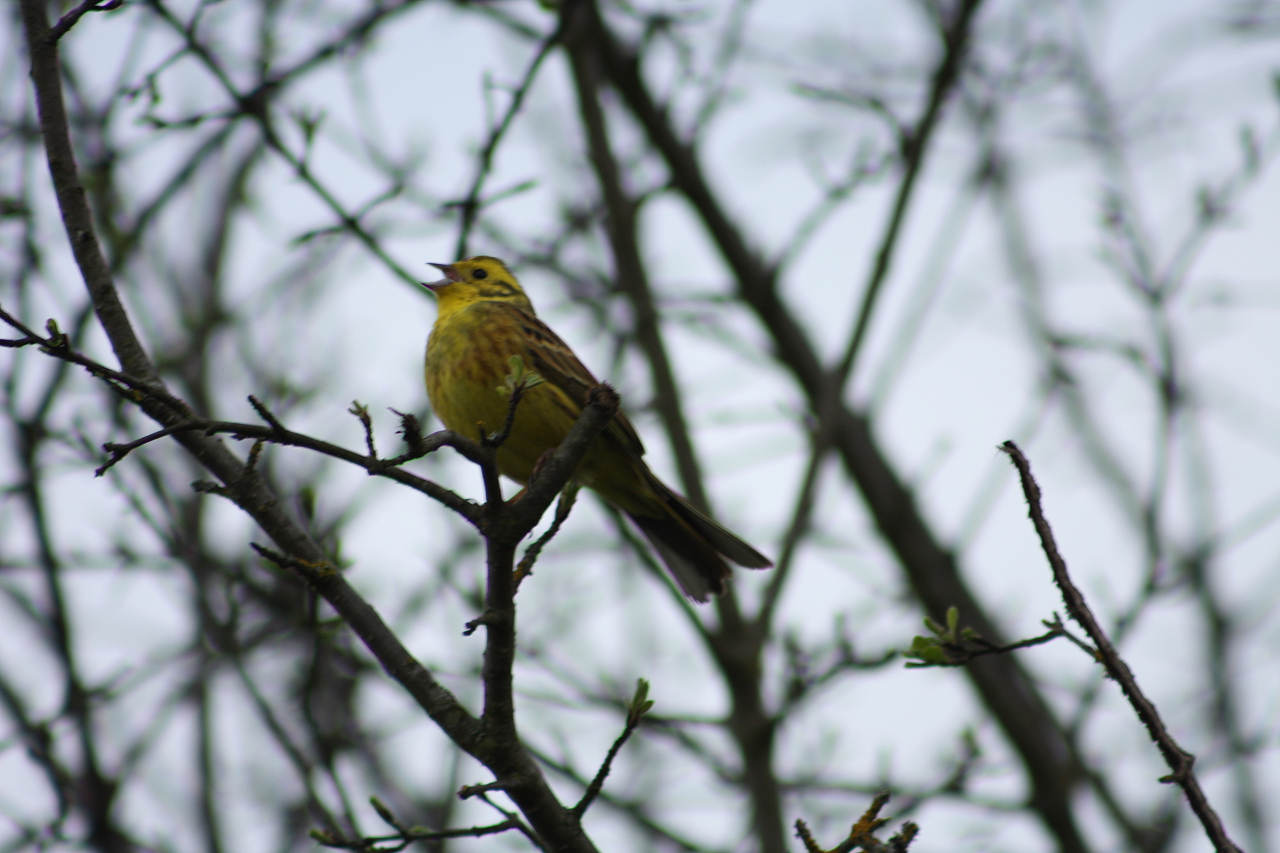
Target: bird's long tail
x=694 y=546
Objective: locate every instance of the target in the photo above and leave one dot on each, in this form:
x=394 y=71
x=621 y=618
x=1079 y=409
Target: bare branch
x=406 y=835
x=69 y=20
x=1179 y=760
x=640 y=704
x=505 y=525
x=629 y=273
x=470 y=204
x=567 y=499
x=245 y=486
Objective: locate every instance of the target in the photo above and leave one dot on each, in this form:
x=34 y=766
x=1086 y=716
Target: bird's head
x=478 y=279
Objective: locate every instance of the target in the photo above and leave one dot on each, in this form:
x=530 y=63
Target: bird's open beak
x=450 y=275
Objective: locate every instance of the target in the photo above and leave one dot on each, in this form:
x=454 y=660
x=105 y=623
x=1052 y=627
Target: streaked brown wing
x=554 y=361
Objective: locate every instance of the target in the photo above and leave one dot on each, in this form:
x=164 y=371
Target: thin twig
x=635 y=810
x=518 y=381
x=362 y=414
x=409 y=836
x=69 y=20
x=279 y=435
x=57 y=346
x=639 y=705
x=499 y=438
x=255 y=105
x=914 y=144
x=470 y=205
x=554 y=471
x=567 y=499
x=120 y=451
x=1179 y=760
x=961 y=650
x=466 y=792
x=528 y=833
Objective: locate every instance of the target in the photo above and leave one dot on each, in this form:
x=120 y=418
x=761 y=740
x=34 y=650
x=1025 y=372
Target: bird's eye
x=480 y=274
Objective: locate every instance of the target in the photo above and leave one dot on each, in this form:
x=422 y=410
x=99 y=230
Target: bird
x=484 y=318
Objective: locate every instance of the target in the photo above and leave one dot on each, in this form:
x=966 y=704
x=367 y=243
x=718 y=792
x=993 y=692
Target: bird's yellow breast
x=467 y=362
x=468 y=356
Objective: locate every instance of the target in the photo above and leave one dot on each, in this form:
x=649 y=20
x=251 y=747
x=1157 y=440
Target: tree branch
x=69 y=20
x=1179 y=760
x=630 y=274
x=930 y=568
x=246 y=487
x=56 y=346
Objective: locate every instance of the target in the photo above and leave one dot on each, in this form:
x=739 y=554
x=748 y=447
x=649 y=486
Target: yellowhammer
x=485 y=318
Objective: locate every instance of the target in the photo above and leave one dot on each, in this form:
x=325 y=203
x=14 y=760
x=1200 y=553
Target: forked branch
x=139 y=381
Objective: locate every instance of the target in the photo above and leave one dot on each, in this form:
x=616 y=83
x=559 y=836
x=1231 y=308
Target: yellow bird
x=484 y=319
